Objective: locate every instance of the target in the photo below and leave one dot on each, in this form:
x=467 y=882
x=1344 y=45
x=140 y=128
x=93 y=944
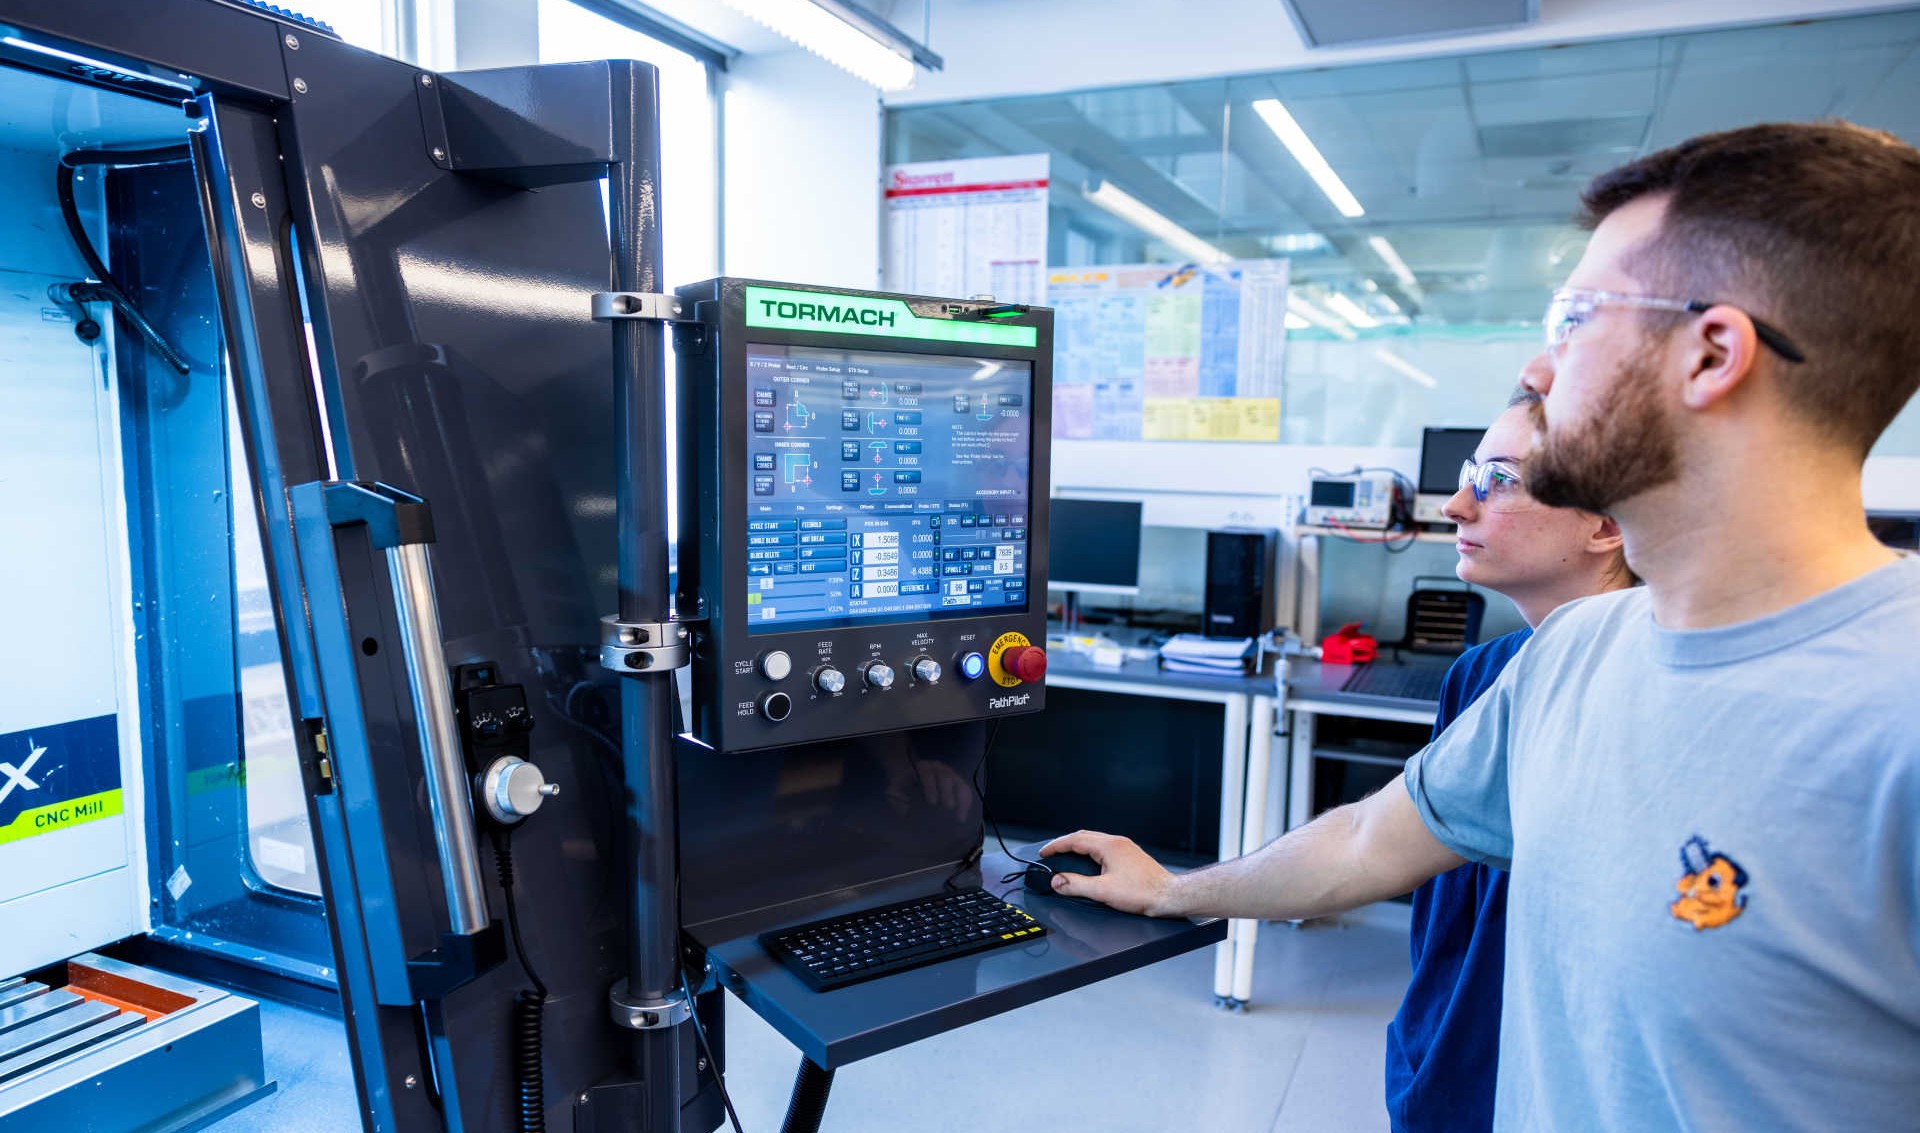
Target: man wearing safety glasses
x=1707 y=789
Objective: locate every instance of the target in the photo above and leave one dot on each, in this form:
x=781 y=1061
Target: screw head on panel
x=439 y=154
x=299 y=86
x=292 y=42
x=259 y=200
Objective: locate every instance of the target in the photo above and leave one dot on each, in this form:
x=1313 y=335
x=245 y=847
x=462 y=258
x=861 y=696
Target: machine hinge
x=322 y=753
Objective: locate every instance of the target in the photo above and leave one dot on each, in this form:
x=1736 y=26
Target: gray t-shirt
x=1714 y=914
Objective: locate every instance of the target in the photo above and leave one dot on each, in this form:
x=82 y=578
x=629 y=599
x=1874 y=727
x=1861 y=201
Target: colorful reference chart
x=1164 y=352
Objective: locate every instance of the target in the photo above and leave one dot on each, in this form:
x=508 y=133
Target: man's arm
x=1360 y=853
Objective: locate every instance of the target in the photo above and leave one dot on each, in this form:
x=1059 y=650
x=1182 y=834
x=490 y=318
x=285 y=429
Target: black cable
x=700 y=1033
x=809 y=1102
x=529 y=1007
x=113 y=292
x=1018 y=875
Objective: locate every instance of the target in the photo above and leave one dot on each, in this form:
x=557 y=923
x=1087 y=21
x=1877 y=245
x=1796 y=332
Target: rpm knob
x=1025 y=663
x=829 y=679
x=927 y=671
x=880 y=675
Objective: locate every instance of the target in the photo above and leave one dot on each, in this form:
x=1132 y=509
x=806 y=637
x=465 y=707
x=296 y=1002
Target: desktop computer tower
x=1239 y=590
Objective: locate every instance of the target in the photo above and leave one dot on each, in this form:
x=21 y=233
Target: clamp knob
x=879 y=675
x=512 y=789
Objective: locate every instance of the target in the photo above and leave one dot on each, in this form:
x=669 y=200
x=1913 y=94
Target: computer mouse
x=1039 y=878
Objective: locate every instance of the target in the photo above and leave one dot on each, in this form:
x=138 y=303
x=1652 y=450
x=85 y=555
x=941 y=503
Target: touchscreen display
x=884 y=487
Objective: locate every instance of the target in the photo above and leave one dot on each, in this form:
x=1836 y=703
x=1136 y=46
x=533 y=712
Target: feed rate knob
x=829 y=680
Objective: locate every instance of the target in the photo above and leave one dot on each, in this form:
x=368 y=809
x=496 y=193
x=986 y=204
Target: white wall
x=801 y=172
x=996 y=48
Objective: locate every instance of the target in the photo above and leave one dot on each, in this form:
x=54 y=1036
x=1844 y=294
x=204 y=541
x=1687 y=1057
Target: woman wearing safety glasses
x=1443 y=1044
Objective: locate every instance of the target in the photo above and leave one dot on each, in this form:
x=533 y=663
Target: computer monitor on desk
x=1094 y=548
x=1442 y=451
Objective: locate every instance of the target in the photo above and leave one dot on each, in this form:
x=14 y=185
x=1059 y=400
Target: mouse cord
x=994 y=734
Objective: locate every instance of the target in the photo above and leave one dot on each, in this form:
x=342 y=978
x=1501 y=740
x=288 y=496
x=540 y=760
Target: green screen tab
x=824 y=312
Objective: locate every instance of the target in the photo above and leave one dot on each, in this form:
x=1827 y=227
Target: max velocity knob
x=927 y=671
x=879 y=675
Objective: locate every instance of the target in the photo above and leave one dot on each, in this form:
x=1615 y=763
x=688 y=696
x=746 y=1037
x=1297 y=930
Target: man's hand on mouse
x=1129 y=879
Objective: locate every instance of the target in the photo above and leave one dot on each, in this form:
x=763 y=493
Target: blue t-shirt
x=1713 y=909
x=1443 y=1045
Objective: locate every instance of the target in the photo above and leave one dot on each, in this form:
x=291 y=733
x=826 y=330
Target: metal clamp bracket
x=648 y=1015
x=610 y=305
x=645 y=647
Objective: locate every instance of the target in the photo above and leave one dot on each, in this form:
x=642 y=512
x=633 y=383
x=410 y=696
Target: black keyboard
x=893 y=938
x=1403 y=682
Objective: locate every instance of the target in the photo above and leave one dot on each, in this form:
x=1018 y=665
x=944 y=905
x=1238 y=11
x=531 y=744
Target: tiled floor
x=1143 y=1053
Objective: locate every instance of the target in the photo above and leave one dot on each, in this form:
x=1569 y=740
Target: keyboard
x=1403 y=682
x=861 y=946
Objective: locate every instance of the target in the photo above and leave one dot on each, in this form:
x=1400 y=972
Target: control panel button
x=1025 y=663
x=775 y=665
x=926 y=670
x=972 y=666
x=880 y=675
x=829 y=679
x=776 y=706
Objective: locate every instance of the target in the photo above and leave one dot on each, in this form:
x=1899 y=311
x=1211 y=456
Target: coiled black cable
x=110 y=288
x=809 y=1102
x=529 y=1007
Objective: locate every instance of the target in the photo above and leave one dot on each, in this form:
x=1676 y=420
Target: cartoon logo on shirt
x=1710 y=893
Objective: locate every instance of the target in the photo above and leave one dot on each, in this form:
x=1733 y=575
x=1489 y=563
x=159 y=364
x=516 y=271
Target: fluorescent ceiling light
x=840 y=43
x=1295 y=322
x=1153 y=224
x=1405 y=368
x=1300 y=308
x=1351 y=311
x=1392 y=259
x=1303 y=150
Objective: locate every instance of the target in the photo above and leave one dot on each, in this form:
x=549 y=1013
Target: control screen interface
x=884 y=487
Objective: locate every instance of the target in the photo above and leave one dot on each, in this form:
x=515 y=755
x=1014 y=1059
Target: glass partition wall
x=1424 y=205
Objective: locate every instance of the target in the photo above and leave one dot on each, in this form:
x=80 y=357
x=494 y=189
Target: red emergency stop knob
x=1025 y=663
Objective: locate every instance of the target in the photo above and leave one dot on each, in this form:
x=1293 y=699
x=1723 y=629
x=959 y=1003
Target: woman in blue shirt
x=1443 y=1044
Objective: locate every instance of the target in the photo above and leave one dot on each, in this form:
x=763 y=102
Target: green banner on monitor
x=825 y=312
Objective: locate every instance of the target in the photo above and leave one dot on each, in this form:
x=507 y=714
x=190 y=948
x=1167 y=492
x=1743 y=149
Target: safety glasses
x=1496 y=484
x=1572 y=306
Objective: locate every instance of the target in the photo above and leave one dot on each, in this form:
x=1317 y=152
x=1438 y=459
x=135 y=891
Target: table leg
x=1253 y=829
x=1233 y=801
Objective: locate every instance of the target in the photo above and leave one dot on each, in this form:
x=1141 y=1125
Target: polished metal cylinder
x=447 y=797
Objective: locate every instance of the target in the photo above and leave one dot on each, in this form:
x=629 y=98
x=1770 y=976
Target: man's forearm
x=1368 y=851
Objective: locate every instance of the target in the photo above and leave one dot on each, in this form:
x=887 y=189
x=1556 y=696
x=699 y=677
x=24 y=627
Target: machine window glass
x=279 y=837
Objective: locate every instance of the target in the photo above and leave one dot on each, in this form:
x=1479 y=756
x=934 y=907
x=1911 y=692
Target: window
x=1467 y=169
x=689 y=157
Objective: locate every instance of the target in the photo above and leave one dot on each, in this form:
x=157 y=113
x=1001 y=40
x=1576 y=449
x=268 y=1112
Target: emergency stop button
x=1014 y=660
